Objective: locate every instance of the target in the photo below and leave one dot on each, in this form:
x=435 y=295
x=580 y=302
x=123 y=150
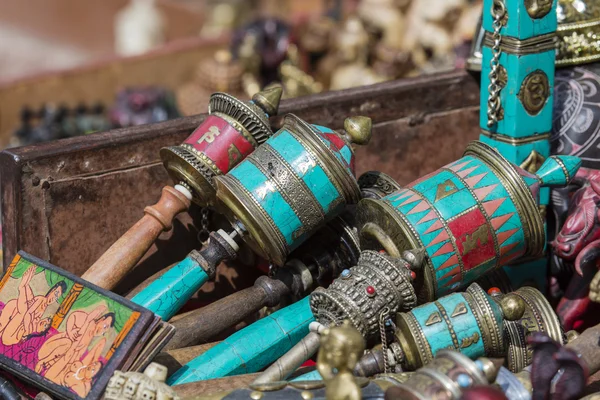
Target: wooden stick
x=126 y=252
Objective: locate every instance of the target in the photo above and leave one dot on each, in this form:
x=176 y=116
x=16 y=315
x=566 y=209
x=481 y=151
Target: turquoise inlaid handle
x=167 y=294
x=252 y=348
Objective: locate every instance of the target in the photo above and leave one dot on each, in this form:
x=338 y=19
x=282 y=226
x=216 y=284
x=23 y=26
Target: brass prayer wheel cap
x=376 y=184
x=269 y=99
x=513 y=307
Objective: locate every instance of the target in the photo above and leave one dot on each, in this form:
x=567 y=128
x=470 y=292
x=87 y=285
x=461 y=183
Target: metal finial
x=358 y=129
x=268 y=99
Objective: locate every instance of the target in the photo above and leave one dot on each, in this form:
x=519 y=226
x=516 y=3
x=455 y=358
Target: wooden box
x=67 y=201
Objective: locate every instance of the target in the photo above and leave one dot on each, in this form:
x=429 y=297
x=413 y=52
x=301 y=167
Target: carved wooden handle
x=201 y=325
x=125 y=253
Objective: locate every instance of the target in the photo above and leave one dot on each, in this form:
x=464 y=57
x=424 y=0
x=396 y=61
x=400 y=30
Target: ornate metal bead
x=300 y=178
x=375 y=283
x=472 y=216
x=232 y=130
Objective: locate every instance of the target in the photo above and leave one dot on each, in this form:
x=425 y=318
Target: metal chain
x=204 y=233
x=384 y=346
x=498 y=12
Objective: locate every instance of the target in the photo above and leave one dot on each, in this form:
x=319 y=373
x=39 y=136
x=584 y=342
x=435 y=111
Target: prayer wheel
x=232 y=130
x=297 y=180
x=470 y=322
x=377 y=284
x=472 y=216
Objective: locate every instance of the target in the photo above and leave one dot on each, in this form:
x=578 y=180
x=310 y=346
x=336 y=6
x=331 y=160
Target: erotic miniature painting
x=61 y=330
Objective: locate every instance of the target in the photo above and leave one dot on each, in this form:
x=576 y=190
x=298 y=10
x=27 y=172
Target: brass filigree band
x=578 y=43
x=512 y=45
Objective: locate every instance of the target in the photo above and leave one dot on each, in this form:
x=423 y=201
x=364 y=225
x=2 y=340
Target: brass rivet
x=256 y=395
x=306 y=395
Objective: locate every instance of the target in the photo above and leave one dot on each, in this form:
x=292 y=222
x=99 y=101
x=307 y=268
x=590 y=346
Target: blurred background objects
x=71 y=67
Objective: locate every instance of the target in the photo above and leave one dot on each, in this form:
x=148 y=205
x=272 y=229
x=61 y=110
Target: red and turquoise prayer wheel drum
x=300 y=178
x=232 y=130
x=472 y=216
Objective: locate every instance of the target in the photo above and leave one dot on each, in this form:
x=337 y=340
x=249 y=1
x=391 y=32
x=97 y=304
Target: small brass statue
x=137 y=386
x=341 y=348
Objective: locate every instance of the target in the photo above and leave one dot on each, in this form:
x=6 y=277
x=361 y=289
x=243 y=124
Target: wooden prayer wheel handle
x=201 y=325
x=126 y=252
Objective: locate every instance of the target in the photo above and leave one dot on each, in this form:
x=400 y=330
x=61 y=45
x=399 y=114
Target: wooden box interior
x=67 y=201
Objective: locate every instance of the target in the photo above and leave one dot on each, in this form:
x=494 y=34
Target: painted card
x=61 y=333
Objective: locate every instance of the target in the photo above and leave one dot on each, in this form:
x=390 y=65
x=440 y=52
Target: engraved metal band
x=250 y=116
x=250 y=206
x=533 y=45
x=290 y=187
x=499 y=137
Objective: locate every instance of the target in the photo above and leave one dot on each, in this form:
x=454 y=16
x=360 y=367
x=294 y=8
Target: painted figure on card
x=61 y=351
x=22 y=317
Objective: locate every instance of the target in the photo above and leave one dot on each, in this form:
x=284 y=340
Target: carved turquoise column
x=252 y=348
x=517 y=83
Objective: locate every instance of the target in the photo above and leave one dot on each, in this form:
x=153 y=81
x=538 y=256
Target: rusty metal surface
x=68 y=201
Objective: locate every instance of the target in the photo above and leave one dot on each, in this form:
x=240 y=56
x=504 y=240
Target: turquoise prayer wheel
x=471 y=323
x=472 y=216
x=296 y=181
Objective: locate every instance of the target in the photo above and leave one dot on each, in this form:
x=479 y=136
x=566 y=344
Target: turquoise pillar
x=252 y=348
x=524 y=65
x=168 y=293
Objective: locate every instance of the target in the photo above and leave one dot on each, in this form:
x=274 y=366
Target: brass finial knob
x=358 y=129
x=268 y=99
x=513 y=307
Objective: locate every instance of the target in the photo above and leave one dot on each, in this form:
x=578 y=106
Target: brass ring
x=374 y=231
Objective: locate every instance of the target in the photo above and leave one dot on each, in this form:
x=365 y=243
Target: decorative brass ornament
x=341 y=348
x=538 y=8
x=534 y=92
x=533 y=162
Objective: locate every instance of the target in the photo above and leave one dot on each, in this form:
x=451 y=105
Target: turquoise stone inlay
x=167 y=294
x=267 y=195
x=450 y=323
x=252 y=348
x=558 y=170
x=519 y=23
x=306 y=167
